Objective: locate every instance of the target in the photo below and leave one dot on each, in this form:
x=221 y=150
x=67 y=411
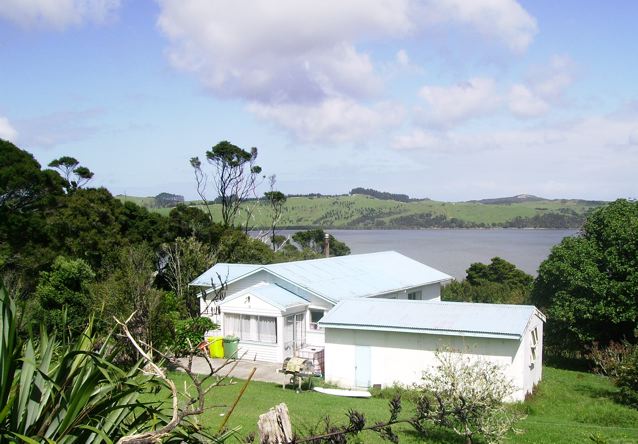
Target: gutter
x=492 y=335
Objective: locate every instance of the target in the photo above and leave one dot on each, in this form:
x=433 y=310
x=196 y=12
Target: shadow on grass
x=438 y=435
x=564 y=362
x=597 y=392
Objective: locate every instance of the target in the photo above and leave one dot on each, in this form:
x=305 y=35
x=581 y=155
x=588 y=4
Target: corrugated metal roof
x=225 y=272
x=272 y=294
x=342 y=277
x=435 y=317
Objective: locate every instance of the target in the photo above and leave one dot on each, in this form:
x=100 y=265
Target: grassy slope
x=147 y=202
x=347 y=211
x=568 y=408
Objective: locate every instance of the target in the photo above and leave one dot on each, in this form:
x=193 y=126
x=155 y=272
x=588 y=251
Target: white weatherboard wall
x=402 y=358
x=254 y=306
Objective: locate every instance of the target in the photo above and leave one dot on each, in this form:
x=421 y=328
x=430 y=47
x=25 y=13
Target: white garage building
x=383 y=342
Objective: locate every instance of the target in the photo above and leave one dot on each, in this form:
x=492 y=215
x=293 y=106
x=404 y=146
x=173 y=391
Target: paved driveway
x=266 y=371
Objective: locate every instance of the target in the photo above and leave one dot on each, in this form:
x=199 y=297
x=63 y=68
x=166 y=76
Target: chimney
x=326 y=245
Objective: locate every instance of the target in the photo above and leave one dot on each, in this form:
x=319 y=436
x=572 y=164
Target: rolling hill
x=366 y=212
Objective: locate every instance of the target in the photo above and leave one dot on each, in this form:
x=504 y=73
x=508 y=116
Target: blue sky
x=446 y=99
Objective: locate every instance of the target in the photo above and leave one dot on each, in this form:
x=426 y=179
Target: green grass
x=568 y=407
x=359 y=211
x=147 y=202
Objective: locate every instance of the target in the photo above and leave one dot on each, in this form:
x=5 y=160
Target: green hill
x=363 y=211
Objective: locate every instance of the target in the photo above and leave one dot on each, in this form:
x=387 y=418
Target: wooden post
x=241 y=393
x=274 y=426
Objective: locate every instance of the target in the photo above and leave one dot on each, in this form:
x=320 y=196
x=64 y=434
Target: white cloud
x=7 y=132
x=551 y=80
x=504 y=20
x=289 y=51
x=417 y=139
x=544 y=87
x=334 y=120
x=589 y=158
x=293 y=60
x=57 y=14
x=303 y=50
x=449 y=105
x=524 y=103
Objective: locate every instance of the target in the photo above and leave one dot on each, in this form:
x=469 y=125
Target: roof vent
x=326 y=244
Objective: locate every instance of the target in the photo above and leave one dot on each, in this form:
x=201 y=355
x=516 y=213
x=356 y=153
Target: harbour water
x=452 y=251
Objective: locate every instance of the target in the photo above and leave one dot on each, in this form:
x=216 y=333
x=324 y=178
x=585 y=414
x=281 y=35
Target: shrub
x=627 y=378
x=607 y=360
x=189 y=333
x=468 y=396
x=619 y=361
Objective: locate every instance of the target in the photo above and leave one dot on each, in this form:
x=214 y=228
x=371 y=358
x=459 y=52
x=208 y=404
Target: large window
x=415 y=296
x=251 y=328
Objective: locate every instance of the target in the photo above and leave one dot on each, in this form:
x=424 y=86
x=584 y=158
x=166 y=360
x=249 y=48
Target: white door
x=362 y=366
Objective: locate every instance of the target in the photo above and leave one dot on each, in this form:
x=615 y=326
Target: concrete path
x=266 y=371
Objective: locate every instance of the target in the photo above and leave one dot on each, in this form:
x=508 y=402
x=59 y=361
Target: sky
x=447 y=99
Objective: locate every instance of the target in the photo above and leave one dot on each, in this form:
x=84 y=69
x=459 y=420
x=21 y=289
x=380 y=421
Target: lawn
x=568 y=407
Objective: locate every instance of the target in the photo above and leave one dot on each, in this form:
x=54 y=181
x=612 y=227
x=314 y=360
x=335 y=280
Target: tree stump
x=274 y=426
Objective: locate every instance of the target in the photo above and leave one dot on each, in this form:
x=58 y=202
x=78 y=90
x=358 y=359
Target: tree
x=24 y=187
x=277 y=200
x=27 y=195
x=128 y=288
x=62 y=295
x=314 y=240
x=184 y=221
x=235 y=177
x=499 y=271
x=468 y=395
x=498 y=282
x=237 y=247
x=73 y=173
x=588 y=286
x=184 y=259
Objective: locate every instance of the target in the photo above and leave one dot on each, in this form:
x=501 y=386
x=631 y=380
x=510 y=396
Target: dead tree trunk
x=275 y=426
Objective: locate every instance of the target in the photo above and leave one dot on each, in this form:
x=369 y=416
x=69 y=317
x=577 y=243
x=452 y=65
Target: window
x=534 y=341
x=415 y=296
x=315 y=317
x=251 y=328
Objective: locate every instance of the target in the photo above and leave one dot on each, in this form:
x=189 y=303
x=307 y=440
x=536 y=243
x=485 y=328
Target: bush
x=607 y=360
x=468 y=396
x=189 y=333
x=627 y=378
x=619 y=361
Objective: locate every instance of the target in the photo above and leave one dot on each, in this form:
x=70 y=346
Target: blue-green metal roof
x=341 y=277
x=434 y=317
x=272 y=294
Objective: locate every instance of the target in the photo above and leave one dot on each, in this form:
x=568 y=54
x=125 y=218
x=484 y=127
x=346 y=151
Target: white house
x=375 y=341
x=274 y=309
x=379 y=317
